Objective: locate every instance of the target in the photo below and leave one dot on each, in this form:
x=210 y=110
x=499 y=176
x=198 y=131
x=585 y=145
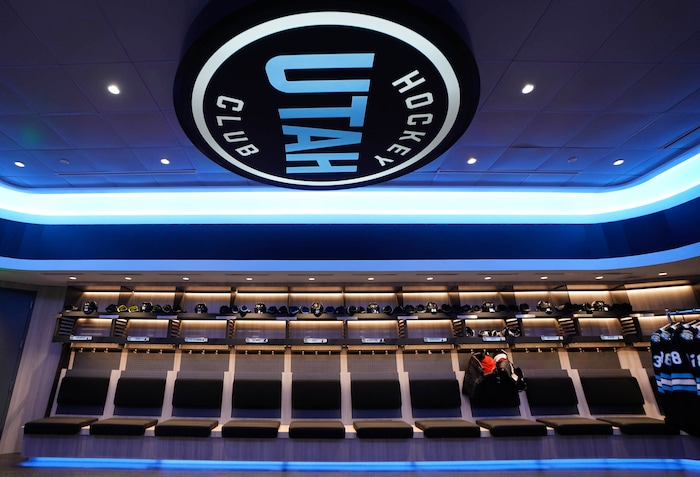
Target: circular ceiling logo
x=326 y=98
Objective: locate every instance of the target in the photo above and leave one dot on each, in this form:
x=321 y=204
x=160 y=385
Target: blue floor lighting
x=686 y=465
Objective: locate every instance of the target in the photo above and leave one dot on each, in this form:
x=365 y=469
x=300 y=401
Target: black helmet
x=387 y=310
x=431 y=307
x=224 y=310
x=146 y=307
x=272 y=309
x=317 y=308
x=330 y=310
x=157 y=309
x=167 y=309
x=373 y=308
x=282 y=310
x=112 y=308
x=260 y=308
x=340 y=310
x=200 y=308
x=89 y=307
x=524 y=307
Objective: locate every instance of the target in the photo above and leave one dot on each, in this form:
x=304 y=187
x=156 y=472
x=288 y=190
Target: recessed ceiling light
x=19 y=163
x=528 y=88
x=64 y=162
x=430 y=278
x=250 y=279
x=471 y=160
x=127 y=278
x=165 y=161
x=186 y=278
x=311 y=279
x=544 y=278
x=487 y=278
x=663 y=274
x=599 y=277
x=113 y=88
x=619 y=162
x=371 y=279
x=72 y=278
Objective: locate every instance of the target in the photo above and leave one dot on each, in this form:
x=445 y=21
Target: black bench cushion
x=551 y=391
x=86 y=391
x=185 y=428
x=317 y=430
x=607 y=391
x=641 y=425
x=448 y=428
x=383 y=429
x=250 y=428
x=435 y=393
x=578 y=426
x=58 y=425
x=190 y=393
x=257 y=393
x=118 y=426
x=513 y=427
x=139 y=392
x=312 y=394
x=370 y=394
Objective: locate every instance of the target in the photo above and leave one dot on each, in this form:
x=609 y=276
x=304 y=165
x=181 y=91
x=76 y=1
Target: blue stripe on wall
x=666 y=230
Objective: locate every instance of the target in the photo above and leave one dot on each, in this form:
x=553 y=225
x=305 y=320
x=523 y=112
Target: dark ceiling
x=612 y=80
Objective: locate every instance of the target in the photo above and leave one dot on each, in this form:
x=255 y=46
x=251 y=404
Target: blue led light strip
x=686 y=465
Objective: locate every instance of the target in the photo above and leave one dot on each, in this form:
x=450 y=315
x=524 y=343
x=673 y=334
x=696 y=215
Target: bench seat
x=383 y=429
x=251 y=428
x=448 y=428
x=514 y=427
x=58 y=425
x=578 y=426
x=121 y=426
x=185 y=428
x=317 y=430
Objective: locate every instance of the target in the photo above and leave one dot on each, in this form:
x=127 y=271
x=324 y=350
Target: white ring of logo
x=302 y=20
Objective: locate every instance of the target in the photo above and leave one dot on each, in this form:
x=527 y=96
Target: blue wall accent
x=666 y=230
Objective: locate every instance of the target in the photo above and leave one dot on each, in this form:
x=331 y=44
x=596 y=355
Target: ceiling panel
x=677 y=81
x=89 y=131
x=548 y=79
x=31 y=132
x=77 y=34
x=143 y=130
x=651 y=33
x=554 y=40
x=46 y=89
x=610 y=130
x=552 y=129
x=597 y=85
x=152 y=30
x=26 y=49
x=93 y=79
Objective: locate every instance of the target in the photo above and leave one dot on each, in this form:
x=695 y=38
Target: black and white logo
x=326 y=98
